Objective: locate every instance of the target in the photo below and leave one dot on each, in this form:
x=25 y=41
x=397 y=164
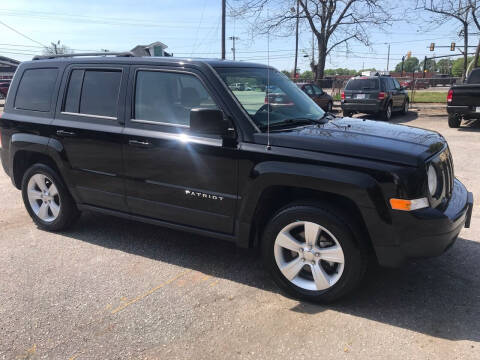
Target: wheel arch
x=342 y=189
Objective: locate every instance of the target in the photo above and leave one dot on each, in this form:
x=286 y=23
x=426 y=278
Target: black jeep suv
x=377 y=95
x=171 y=142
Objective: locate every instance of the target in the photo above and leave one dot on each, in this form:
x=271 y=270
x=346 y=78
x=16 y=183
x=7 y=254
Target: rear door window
x=308 y=89
x=474 y=77
x=93 y=92
x=362 y=84
x=317 y=90
x=36 y=89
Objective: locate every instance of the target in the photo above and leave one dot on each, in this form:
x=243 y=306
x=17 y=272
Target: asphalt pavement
x=115 y=289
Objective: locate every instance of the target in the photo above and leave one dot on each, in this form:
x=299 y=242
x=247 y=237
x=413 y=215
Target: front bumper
x=427 y=232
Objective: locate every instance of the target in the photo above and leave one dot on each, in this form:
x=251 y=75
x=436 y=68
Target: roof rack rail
x=45 y=57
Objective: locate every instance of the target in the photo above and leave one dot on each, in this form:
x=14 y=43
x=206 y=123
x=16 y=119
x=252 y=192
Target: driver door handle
x=140 y=143
x=65 y=133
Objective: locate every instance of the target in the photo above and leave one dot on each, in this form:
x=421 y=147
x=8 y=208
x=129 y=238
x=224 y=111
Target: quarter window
x=93 y=92
x=168 y=97
x=36 y=89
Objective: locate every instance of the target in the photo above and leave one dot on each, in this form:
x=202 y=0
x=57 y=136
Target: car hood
x=362 y=138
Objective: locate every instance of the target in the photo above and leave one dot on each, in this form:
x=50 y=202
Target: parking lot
x=115 y=289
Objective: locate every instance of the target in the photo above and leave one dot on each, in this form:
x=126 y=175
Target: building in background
x=7 y=67
x=154 y=49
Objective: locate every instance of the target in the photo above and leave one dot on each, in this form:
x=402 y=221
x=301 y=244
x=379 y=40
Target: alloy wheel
x=43 y=197
x=309 y=256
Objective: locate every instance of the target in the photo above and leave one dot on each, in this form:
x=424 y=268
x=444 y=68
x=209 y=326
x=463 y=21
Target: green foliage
x=410 y=65
x=457 y=67
x=306 y=76
x=444 y=66
x=340 y=71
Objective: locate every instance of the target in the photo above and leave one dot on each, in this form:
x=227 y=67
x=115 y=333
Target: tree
x=431 y=65
x=444 y=66
x=457 y=66
x=334 y=23
x=57 y=49
x=447 y=10
x=409 y=65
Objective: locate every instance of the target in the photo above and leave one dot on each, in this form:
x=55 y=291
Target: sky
x=192 y=28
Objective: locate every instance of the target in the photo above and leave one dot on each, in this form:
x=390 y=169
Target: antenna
x=269 y=147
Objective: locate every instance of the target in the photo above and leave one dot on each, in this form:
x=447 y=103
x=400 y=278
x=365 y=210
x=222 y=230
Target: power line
x=19 y=33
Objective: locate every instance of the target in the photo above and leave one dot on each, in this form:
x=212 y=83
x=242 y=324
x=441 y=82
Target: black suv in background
x=377 y=95
x=171 y=142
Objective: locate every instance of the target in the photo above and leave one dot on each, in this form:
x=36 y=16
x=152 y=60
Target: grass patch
x=429 y=96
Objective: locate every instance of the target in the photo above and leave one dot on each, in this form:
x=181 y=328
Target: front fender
x=358 y=187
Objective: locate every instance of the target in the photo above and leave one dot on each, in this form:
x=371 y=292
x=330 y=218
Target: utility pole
x=424 y=66
x=403 y=61
x=388 y=57
x=233 y=38
x=296 y=44
x=224 y=4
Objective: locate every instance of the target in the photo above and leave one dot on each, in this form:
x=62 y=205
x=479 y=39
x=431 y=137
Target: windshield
x=280 y=98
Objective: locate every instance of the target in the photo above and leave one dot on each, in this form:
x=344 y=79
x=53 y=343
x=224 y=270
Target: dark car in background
x=463 y=101
x=377 y=95
x=4 y=85
x=317 y=94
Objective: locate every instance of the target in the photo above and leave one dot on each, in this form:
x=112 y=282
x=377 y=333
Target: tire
x=454 y=120
x=387 y=113
x=347 y=113
x=405 y=107
x=333 y=279
x=47 y=199
x=329 y=106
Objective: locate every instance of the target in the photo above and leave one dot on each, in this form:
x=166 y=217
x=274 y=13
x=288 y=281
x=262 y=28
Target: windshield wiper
x=326 y=116
x=290 y=122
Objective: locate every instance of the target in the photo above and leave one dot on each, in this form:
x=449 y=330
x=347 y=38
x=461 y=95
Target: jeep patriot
x=172 y=142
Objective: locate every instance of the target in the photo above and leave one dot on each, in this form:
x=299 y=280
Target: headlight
x=432 y=180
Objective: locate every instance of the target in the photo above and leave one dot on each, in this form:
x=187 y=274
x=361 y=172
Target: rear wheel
x=406 y=105
x=387 y=113
x=329 y=106
x=312 y=253
x=47 y=199
x=454 y=120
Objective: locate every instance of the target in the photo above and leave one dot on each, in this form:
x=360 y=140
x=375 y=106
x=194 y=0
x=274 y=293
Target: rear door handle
x=140 y=143
x=65 y=133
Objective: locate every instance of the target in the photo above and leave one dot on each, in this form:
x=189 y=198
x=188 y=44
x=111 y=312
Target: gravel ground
x=115 y=289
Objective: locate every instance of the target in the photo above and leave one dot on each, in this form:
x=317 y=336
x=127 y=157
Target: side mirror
x=208 y=122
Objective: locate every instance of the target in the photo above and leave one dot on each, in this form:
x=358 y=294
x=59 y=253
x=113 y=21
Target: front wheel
x=47 y=199
x=312 y=253
x=454 y=120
